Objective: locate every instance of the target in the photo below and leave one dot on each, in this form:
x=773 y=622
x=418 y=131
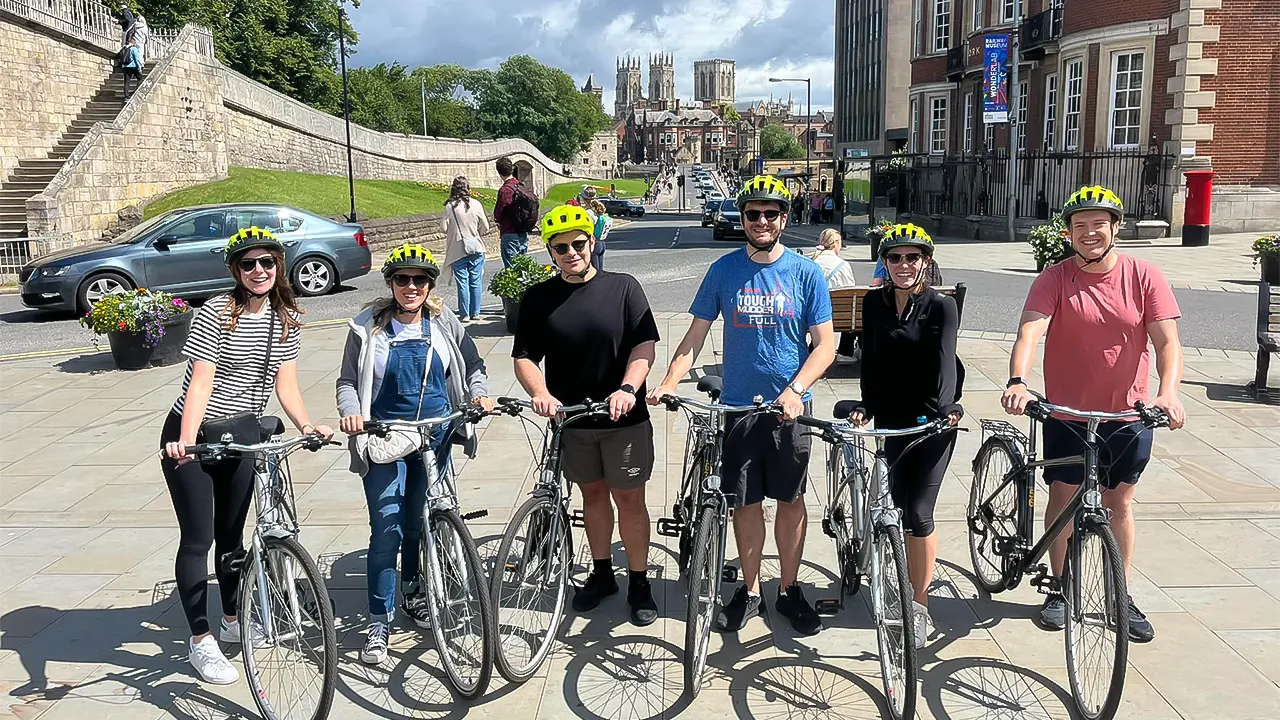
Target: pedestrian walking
x=242 y=345
x=464 y=225
x=603 y=224
x=515 y=212
x=131 y=67
x=407 y=357
x=829 y=209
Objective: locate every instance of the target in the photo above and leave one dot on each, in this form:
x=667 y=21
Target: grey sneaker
x=923 y=623
x=1053 y=614
x=414 y=604
x=375 y=645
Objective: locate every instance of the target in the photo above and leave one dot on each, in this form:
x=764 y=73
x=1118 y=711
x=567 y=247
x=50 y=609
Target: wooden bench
x=1268 y=335
x=846 y=305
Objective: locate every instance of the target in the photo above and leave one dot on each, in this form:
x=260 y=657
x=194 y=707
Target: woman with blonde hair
x=839 y=274
x=464 y=225
x=604 y=224
x=407 y=357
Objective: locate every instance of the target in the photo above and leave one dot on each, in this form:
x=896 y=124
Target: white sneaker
x=375 y=645
x=212 y=666
x=229 y=632
x=923 y=623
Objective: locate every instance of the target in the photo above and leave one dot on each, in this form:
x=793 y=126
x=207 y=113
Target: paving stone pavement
x=90 y=627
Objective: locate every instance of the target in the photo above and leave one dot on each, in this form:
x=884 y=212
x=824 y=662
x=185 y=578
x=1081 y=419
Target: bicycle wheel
x=705 y=568
x=530 y=578
x=993 y=512
x=461 y=616
x=291 y=665
x=1097 y=620
x=844 y=525
x=895 y=627
x=685 y=508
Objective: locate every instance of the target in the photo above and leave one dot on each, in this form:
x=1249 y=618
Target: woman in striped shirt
x=241 y=345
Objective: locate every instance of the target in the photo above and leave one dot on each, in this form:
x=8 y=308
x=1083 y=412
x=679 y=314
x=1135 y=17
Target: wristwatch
x=797 y=388
x=1015 y=380
x=628 y=388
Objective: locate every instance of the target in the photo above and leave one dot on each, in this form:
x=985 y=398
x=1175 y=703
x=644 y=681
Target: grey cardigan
x=355 y=380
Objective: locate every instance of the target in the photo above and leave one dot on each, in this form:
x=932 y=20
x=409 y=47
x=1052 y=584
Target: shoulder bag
x=400 y=442
x=242 y=428
x=470 y=243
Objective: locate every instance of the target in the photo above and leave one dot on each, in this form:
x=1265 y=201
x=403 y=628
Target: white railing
x=85 y=19
x=16 y=253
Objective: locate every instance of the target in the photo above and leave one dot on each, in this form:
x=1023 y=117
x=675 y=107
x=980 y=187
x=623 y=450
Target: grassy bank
x=558 y=194
x=325 y=195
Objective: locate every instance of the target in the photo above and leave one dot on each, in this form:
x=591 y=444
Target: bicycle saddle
x=270 y=425
x=712 y=385
x=843 y=409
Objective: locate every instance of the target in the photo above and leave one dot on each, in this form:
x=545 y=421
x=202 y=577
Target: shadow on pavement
x=980 y=688
x=785 y=687
x=91 y=364
x=1221 y=392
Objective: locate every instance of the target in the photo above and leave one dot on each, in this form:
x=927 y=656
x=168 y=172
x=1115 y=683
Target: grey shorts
x=623 y=456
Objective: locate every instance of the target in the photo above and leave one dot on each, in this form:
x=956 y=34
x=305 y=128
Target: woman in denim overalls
x=407 y=357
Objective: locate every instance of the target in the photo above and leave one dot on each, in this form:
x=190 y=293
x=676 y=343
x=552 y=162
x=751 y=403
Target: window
x=979 y=9
x=941 y=24
x=915 y=27
x=1006 y=11
x=968 y=122
x=604 y=163
x=915 y=125
x=1126 y=100
x=989 y=137
x=204 y=226
x=1073 y=92
x=938 y=125
x=1050 y=109
x=1024 y=90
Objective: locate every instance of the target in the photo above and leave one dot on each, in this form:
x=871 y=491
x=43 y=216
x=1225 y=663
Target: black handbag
x=241 y=428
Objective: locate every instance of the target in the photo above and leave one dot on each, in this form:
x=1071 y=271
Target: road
x=669 y=253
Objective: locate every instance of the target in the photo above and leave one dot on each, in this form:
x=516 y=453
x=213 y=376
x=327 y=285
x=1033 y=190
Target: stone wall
x=600 y=159
x=168 y=136
x=46 y=82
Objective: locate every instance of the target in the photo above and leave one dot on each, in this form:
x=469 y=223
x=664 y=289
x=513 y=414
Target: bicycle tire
x=506 y=667
x=705 y=564
x=321 y=615
x=889 y=538
x=1115 y=604
x=477 y=597
x=847 y=551
x=993 y=572
x=686 y=507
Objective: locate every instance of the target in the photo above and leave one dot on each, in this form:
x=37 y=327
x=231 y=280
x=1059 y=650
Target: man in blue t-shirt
x=773 y=301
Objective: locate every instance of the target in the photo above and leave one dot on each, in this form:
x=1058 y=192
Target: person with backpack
x=516 y=212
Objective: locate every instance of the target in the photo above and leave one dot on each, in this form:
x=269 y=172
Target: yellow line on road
x=46 y=353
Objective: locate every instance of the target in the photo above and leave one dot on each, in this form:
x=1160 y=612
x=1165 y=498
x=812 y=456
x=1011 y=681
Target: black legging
x=916 y=477
x=211 y=501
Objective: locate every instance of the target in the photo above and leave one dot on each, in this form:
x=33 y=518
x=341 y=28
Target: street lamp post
x=346 y=106
x=808 y=120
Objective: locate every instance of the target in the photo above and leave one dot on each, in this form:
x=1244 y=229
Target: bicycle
x=867 y=528
x=453 y=575
x=531 y=570
x=700 y=519
x=1001 y=527
x=286 y=614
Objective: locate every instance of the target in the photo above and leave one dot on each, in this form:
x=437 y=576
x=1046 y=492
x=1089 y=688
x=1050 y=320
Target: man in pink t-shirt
x=1097 y=310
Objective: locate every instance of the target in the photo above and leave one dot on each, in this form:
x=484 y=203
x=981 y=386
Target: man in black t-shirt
x=595 y=336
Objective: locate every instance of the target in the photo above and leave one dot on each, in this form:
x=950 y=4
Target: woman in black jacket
x=910 y=371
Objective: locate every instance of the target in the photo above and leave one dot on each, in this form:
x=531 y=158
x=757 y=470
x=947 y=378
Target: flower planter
x=1271 y=269
x=129 y=352
x=511 y=309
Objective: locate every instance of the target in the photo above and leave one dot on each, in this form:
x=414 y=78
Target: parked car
x=181 y=252
x=619 y=207
x=709 y=212
x=728 y=223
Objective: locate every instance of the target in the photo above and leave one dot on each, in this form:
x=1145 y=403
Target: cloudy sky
x=767 y=38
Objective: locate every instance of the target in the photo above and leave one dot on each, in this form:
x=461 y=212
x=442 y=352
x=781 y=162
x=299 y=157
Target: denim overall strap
x=403 y=378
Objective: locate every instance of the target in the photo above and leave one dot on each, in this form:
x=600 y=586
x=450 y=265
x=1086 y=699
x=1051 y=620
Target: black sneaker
x=1053 y=614
x=793 y=606
x=1140 y=630
x=597 y=587
x=644 y=611
x=414 y=604
x=741 y=608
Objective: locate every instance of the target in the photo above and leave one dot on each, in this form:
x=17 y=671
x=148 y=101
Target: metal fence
x=977 y=185
x=16 y=253
x=89 y=20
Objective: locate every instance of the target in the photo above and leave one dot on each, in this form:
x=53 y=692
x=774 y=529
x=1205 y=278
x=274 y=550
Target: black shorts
x=1124 y=449
x=764 y=457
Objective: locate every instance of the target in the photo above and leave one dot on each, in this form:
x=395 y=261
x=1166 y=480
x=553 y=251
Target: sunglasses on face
x=755 y=215
x=895 y=258
x=563 y=248
x=403 y=281
x=248 y=264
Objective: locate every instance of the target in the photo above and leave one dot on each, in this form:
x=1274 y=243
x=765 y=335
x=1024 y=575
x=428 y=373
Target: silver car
x=181 y=252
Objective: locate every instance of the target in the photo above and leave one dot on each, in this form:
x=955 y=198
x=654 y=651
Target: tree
x=778 y=144
x=382 y=99
x=731 y=115
x=526 y=99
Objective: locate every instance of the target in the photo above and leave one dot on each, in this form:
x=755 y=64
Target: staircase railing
x=88 y=20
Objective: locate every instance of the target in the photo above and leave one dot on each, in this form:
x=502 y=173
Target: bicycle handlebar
x=675 y=402
x=310 y=441
x=568 y=413
x=1152 y=417
x=847 y=428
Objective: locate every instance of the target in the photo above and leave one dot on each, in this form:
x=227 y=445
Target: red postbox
x=1195 y=218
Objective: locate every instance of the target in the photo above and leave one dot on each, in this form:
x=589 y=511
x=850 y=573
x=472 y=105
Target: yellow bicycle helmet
x=566 y=218
x=411 y=256
x=248 y=239
x=764 y=188
x=908 y=234
x=1093 y=197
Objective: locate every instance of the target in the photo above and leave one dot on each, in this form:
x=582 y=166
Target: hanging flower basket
x=1266 y=252
x=144 y=329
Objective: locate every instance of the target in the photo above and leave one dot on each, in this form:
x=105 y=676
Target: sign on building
x=995 y=79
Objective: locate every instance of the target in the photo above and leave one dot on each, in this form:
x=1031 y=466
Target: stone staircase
x=33 y=175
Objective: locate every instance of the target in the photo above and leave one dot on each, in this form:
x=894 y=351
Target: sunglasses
x=755 y=215
x=908 y=258
x=404 y=281
x=248 y=264
x=563 y=248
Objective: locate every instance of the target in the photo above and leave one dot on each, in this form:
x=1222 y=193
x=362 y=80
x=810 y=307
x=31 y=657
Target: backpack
x=524 y=208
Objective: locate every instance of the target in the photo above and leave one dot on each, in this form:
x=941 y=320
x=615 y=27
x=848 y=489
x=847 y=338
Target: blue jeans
x=468 y=274
x=513 y=244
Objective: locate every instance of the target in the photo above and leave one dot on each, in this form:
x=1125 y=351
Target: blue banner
x=995 y=79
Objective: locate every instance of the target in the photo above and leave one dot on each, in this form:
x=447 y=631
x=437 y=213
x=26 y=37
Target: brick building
x=680 y=135
x=1197 y=81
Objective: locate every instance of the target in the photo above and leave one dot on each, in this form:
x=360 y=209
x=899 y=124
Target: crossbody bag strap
x=431 y=355
x=266 y=363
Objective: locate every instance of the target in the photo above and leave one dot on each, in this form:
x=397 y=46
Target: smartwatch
x=628 y=388
x=797 y=388
x=1015 y=380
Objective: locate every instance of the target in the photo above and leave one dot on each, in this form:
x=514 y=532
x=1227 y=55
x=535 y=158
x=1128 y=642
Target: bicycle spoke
x=456 y=600
x=529 y=588
x=1096 y=633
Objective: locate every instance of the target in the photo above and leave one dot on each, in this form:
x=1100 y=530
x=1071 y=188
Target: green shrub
x=510 y=283
x=1050 y=243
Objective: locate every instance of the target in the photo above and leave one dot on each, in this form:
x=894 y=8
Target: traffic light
x=680 y=180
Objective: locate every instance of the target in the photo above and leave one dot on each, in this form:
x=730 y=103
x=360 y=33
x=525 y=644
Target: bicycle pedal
x=828 y=606
x=670 y=527
x=826 y=528
x=475 y=515
x=1043 y=581
x=729 y=574
x=577 y=520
